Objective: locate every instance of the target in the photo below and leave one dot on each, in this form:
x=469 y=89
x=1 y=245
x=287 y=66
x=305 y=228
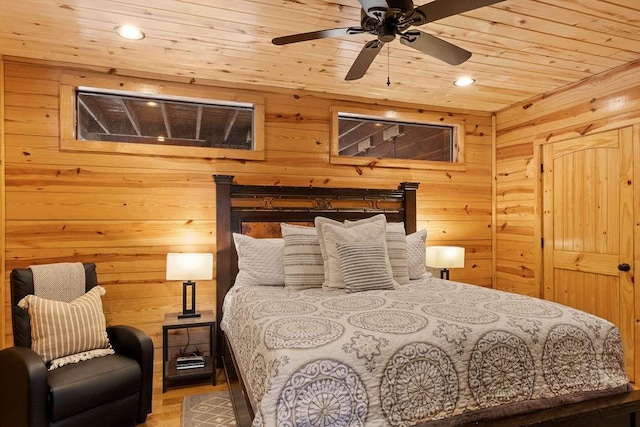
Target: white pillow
x=363 y=267
x=303 y=265
x=260 y=261
x=319 y=220
x=332 y=235
x=416 y=253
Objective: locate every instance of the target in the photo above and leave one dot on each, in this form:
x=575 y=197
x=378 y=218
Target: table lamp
x=444 y=258
x=189 y=267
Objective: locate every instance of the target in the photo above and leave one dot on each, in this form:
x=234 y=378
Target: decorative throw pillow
x=260 y=261
x=416 y=253
x=372 y=232
x=363 y=266
x=396 y=249
x=319 y=221
x=303 y=265
x=63 y=328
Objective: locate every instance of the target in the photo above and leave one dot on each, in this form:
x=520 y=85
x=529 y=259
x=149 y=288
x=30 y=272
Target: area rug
x=208 y=409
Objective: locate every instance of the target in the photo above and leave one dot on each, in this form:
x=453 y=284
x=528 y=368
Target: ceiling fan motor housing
x=387 y=31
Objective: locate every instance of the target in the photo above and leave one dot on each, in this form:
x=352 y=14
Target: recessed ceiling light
x=129 y=32
x=464 y=81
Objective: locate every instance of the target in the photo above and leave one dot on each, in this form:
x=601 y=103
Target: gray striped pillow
x=397 y=251
x=303 y=264
x=364 y=266
x=62 y=328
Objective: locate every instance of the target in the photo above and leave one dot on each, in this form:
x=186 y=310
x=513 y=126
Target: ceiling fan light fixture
x=129 y=32
x=464 y=81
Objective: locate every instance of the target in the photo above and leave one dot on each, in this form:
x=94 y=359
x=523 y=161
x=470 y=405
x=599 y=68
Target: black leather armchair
x=111 y=391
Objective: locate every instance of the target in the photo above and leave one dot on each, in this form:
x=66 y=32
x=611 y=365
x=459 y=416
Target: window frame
x=400 y=116
x=156 y=90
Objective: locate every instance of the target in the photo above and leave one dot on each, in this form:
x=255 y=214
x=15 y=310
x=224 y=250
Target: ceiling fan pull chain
x=388 y=80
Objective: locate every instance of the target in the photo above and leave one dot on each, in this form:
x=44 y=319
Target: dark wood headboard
x=238 y=205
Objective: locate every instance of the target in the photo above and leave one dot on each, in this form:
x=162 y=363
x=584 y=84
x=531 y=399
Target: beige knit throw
x=63 y=281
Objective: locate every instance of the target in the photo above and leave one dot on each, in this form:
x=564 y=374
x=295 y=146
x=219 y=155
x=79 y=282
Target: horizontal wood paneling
x=125 y=212
x=79 y=233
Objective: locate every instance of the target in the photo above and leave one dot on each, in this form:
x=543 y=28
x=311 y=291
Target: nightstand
x=170 y=373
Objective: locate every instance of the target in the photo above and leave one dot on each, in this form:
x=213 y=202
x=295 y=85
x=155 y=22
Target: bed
x=427 y=352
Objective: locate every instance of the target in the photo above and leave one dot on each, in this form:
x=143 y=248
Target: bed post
x=410 y=209
x=223 y=249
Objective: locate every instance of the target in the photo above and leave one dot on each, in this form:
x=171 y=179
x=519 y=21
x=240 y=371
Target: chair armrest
x=131 y=342
x=23 y=388
x=136 y=344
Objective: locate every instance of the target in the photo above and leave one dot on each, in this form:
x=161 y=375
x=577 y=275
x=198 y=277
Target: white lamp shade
x=445 y=256
x=189 y=266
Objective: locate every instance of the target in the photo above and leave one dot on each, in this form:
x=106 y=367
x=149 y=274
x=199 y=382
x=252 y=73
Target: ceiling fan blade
x=314 y=35
x=438 y=48
x=364 y=59
x=371 y=6
x=439 y=9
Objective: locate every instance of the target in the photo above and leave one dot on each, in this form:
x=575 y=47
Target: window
x=145 y=120
x=390 y=138
x=165 y=121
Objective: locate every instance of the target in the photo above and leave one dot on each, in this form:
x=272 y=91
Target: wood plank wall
x=608 y=101
x=125 y=212
x=2 y=206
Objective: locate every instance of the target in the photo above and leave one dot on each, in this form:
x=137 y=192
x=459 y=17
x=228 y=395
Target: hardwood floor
x=167 y=407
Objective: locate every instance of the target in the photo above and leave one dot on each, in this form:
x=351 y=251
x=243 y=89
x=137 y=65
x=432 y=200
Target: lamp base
x=188 y=315
x=188 y=287
x=444 y=273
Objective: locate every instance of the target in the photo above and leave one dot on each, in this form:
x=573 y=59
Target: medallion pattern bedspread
x=424 y=352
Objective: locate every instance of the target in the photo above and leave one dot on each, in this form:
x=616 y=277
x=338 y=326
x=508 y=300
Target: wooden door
x=588 y=228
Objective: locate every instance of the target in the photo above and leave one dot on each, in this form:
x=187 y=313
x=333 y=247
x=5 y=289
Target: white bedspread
x=427 y=351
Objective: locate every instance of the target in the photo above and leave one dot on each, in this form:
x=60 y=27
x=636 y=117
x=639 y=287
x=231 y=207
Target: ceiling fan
x=388 y=19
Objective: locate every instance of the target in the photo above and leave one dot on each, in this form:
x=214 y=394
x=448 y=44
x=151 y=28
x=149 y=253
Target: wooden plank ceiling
x=521 y=48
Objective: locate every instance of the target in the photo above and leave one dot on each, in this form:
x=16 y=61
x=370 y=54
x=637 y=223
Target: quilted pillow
x=61 y=328
x=416 y=253
x=372 y=232
x=260 y=261
x=363 y=266
x=303 y=265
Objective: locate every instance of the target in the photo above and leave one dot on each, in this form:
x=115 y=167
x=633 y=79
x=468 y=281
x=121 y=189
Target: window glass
x=144 y=120
x=384 y=139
